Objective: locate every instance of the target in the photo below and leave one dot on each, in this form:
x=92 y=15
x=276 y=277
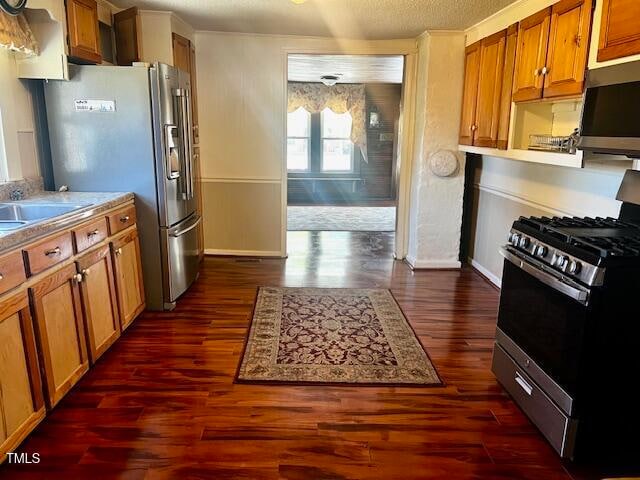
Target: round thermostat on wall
x=443 y=163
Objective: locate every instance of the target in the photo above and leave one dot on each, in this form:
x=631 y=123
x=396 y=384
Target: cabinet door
x=99 y=301
x=128 y=273
x=194 y=96
x=489 y=89
x=83 y=30
x=21 y=403
x=619 y=29
x=470 y=94
x=125 y=26
x=568 y=48
x=507 y=87
x=60 y=331
x=531 y=56
x=181 y=53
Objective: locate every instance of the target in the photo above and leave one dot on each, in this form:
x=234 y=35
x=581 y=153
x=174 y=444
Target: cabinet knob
x=544 y=71
x=118 y=251
x=474 y=128
x=86 y=272
x=77 y=278
x=93 y=233
x=536 y=72
x=125 y=218
x=1 y=277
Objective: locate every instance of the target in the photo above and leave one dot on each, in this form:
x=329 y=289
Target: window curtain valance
x=340 y=98
x=16 y=35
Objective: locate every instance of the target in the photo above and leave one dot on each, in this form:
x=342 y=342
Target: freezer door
x=181 y=244
x=175 y=172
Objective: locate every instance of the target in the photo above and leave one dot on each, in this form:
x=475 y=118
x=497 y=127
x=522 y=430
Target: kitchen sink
x=6 y=225
x=16 y=215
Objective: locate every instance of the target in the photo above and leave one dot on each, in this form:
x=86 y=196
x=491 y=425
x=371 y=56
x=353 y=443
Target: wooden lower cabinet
x=21 y=403
x=99 y=301
x=60 y=331
x=128 y=274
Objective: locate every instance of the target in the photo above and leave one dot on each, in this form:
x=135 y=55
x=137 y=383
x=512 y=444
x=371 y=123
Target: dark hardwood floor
x=161 y=404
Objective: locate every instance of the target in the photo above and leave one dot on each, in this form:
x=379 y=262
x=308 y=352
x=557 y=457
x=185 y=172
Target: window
x=298 y=140
x=337 y=148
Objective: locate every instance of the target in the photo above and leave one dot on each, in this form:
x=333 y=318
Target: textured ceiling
x=368 y=19
x=351 y=68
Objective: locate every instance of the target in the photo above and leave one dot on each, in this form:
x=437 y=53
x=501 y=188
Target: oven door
x=546 y=315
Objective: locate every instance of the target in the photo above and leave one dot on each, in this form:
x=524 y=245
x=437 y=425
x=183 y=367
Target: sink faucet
x=17 y=194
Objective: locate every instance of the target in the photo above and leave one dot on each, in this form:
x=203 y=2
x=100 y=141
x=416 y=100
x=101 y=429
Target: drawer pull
x=125 y=218
x=523 y=384
x=53 y=252
x=93 y=233
x=118 y=251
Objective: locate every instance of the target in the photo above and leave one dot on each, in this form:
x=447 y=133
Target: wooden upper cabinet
x=489 y=90
x=126 y=29
x=83 y=30
x=568 y=48
x=507 y=87
x=470 y=94
x=60 y=331
x=619 y=29
x=21 y=402
x=531 y=56
x=181 y=53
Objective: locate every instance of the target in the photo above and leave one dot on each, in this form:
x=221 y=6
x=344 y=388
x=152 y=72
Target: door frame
x=406 y=130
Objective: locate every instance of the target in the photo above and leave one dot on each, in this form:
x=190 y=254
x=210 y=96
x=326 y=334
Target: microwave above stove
x=610 y=114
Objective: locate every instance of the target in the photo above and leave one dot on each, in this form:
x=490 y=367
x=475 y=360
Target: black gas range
x=569 y=328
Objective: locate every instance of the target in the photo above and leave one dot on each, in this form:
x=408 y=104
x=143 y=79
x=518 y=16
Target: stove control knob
x=515 y=239
x=575 y=267
x=542 y=251
x=563 y=262
x=524 y=242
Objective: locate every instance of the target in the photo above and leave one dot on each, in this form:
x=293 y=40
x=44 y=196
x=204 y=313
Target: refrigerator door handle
x=179 y=233
x=171 y=152
x=189 y=140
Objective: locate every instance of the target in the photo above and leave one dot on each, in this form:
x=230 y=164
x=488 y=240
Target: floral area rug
x=325 y=335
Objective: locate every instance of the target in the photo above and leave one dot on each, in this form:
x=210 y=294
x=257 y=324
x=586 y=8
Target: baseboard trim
x=242 y=253
x=494 y=279
x=416 y=264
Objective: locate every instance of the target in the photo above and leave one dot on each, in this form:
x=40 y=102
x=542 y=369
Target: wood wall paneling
x=619 y=29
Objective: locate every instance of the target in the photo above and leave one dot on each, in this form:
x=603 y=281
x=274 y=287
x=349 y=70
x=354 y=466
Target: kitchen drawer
x=122 y=219
x=90 y=234
x=558 y=428
x=11 y=271
x=46 y=254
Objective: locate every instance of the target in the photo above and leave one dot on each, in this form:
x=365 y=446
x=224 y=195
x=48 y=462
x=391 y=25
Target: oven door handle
x=578 y=294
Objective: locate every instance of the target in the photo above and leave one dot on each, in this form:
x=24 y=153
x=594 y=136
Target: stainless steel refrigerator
x=119 y=129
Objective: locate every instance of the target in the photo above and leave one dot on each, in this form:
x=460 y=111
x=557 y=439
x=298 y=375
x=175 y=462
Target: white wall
x=242 y=109
x=18 y=154
x=436 y=203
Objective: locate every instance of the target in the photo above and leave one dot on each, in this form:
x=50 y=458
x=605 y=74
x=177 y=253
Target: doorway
x=343 y=126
